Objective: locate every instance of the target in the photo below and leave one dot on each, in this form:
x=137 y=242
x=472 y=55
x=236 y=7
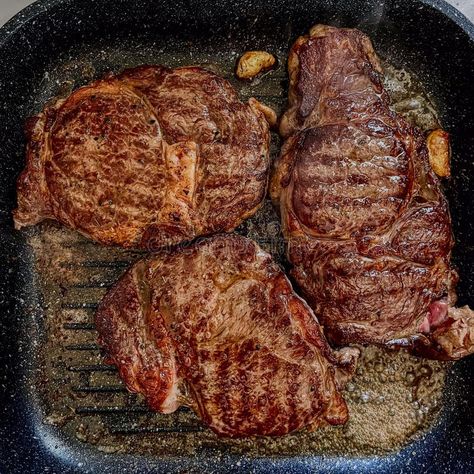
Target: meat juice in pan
x=393 y=397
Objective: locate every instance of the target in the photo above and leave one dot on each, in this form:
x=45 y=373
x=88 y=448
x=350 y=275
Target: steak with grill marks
x=368 y=228
x=216 y=326
x=152 y=157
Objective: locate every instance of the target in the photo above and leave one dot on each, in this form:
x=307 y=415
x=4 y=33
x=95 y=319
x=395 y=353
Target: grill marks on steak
x=152 y=157
x=346 y=181
x=217 y=326
x=368 y=229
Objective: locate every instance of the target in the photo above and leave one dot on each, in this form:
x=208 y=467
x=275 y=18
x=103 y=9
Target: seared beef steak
x=152 y=157
x=368 y=228
x=217 y=327
x=335 y=77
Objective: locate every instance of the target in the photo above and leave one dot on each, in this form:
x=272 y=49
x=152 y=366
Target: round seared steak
x=152 y=157
x=217 y=326
x=368 y=228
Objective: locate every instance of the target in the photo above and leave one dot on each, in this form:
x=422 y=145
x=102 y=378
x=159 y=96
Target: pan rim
x=29 y=13
x=23 y=20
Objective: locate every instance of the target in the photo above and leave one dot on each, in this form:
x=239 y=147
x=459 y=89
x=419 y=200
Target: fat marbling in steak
x=368 y=228
x=216 y=326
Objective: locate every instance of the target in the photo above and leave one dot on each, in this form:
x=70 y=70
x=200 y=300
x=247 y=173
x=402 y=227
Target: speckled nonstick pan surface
x=61 y=408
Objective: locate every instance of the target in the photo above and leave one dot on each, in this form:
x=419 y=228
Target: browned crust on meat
x=135 y=339
x=187 y=158
x=368 y=228
x=248 y=354
x=304 y=110
x=33 y=197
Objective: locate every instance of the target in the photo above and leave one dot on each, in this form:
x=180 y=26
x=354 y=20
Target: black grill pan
x=57 y=400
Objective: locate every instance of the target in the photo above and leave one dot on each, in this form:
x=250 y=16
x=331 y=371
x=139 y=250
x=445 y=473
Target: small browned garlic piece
x=439 y=152
x=253 y=63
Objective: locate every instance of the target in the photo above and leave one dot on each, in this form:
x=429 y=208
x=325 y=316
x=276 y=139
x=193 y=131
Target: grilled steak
x=216 y=326
x=152 y=157
x=368 y=228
